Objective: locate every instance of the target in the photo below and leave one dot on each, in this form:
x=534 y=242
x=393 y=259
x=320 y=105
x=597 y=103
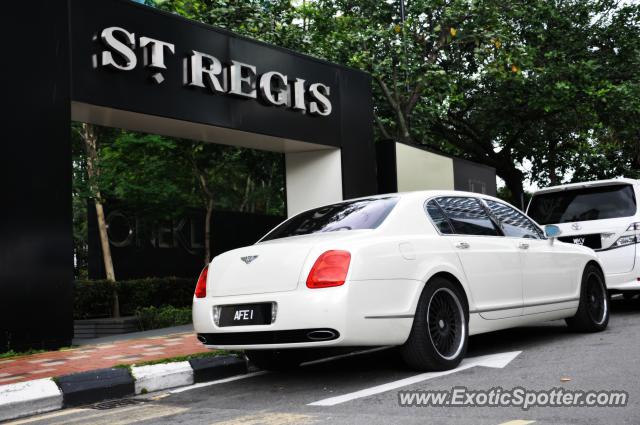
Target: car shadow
x=514 y=339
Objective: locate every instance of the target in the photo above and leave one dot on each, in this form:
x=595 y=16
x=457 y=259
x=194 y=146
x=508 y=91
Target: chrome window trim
x=525 y=305
x=536 y=225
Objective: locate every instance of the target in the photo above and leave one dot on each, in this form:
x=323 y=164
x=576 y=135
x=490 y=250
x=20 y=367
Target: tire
x=440 y=331
x=593 y=310
x=277 y=360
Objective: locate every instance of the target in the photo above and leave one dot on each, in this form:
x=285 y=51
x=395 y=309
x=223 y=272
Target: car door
x=491 y=263
x=548 y=268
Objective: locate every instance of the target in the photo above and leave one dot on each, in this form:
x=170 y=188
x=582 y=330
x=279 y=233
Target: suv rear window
x=353 y=215
x=585 y=204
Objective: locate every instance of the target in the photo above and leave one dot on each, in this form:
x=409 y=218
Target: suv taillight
x=201 y=286
x=633 y=226
x=330 y=269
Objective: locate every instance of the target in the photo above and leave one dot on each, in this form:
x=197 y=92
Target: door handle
x=523 y=245
x=462 y=245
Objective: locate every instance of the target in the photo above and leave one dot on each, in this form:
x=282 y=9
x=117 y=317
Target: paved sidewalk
x=100 y=355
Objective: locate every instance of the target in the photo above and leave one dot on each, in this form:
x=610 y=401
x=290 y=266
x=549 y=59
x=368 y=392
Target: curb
x=45 y=395
x=29 y=398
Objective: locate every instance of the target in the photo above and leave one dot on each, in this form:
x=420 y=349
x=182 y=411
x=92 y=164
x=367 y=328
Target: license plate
x=245 y=314
x=592 y=241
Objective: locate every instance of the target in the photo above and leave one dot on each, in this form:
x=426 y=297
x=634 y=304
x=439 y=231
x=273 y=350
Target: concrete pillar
x=313 y=179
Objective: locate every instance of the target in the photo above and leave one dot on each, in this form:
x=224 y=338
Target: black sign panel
x=141 y=247
x=138 y=90
x=36 y=249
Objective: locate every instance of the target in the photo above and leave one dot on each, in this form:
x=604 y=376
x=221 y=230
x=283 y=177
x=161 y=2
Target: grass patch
x=11 y=353
x=69 y=348
x=123 y=366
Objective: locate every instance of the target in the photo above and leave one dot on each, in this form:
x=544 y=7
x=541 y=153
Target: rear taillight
x=625 y=240
x=330 y=269
x=201 y=286
x=633 y=226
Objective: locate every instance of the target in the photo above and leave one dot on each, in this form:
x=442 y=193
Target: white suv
x=602 y=215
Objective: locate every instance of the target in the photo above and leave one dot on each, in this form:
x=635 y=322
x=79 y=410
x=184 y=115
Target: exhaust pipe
x=321 y=335
x=202 y=339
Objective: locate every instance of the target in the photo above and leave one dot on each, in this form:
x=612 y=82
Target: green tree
x=497 y=82
x=552 y=83
x=164 y=178
x=87 y=185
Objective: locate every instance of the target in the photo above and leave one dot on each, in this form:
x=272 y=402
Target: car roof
x=420 y=195
x=594 y=183
x=424 y=194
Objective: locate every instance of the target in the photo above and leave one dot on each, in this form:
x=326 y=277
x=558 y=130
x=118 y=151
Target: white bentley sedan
x=420 y=270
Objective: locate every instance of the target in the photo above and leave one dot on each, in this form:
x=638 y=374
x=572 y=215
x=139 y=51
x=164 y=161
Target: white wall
x=313 y=179
x=421 y=170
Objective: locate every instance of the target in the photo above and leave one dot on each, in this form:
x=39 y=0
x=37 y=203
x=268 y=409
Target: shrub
x=162 y=317
x=94 y=298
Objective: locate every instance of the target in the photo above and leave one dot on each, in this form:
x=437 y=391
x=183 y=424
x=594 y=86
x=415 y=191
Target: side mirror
x=552 y=231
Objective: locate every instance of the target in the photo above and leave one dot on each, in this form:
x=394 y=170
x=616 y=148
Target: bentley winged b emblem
x=248 y=258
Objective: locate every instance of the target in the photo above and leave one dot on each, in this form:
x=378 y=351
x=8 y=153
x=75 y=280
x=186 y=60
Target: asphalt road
x=550 y=356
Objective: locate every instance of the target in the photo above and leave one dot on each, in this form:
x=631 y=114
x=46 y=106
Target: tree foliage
x=548 y=83
x=501 y=83
x=541 y=90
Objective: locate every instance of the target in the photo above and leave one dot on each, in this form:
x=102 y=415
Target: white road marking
x=143 y=414
x=219 y=381
x=262 y=372
x=48 y=416
x=493 y=360
x=518 y=422
x=273 y=418
x=122 y=416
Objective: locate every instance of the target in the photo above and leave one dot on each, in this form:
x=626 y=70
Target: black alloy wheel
x=440 y=331
x=445 y=318
x=593 y=309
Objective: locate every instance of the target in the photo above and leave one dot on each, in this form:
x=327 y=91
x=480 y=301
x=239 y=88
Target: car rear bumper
x=618 y=282
x=291 y=336
x=623 y=282
x=358 y=313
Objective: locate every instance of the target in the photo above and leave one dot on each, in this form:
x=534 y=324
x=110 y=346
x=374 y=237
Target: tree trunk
x=245 y=198
x=515 y=186
x=106 y=254
x=551 y=164
x=207 y=232
x=208 y=196
x=91 y=145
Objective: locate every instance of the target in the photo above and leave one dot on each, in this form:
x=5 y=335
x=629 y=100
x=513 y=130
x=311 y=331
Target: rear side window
x=514 y=223
x=467 y=216
x=353 y=215
x=584 y=204
x=438 y=218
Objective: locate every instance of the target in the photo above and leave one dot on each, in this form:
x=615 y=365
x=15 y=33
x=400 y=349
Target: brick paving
x=89 y=357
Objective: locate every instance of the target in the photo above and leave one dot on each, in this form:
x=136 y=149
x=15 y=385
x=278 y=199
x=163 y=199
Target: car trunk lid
x=272 y=266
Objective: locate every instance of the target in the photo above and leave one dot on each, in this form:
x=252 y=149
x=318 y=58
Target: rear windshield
x=360 y=214
x=593 y=203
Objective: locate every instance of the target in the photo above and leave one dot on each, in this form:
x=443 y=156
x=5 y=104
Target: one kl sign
x=121 y=49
